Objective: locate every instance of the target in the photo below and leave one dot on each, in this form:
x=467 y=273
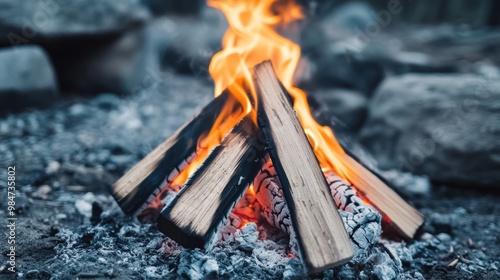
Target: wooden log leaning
x=322 y=239
x=360 y=219
x=400 y=215
x=136 y=188
x=205 y=201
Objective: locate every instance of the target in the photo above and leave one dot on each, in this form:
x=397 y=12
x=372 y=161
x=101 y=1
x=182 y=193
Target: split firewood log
x=362 y=222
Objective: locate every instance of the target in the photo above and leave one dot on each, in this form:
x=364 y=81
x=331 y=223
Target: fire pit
x=258 y=139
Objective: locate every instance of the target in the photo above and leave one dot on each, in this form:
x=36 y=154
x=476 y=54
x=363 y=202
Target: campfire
x=255 y=154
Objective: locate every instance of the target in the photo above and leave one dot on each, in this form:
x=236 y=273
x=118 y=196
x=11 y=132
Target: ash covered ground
x=105 y=101
x=68 y=225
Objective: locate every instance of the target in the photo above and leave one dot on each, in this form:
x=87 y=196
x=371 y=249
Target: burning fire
x=251 y=39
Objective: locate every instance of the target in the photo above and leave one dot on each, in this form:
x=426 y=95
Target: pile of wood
x=276 y=156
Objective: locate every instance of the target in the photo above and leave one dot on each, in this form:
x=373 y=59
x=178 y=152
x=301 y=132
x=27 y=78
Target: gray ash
x=61 y=234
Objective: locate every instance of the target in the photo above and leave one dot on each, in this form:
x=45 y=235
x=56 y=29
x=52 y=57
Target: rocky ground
x=68 y=225
x=87 y=99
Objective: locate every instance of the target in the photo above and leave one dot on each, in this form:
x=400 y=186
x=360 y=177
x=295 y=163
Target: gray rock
x=42 y=192
x=349 y=106
x=84 y=205
x=33 y=21
x=27 y=78
x=444 y=126
x=52 y=167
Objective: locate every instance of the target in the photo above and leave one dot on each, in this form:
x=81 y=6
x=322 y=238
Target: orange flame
x=226 y=120
x=251 y=39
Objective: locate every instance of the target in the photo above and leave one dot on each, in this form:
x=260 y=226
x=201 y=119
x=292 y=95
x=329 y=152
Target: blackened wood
x=405 y=219
x=205 y=201
x=322 y=239
x=399 y=215
x=134 y=189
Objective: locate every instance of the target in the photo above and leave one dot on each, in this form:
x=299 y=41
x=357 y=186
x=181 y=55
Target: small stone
x=460 y=211
x=77 y=110
x=84 y=208
x=211 y=267
x=52 y=168
x=61 y=216
x=426 y=236
x=42 y=192
x=89 y=197
x=444 y=237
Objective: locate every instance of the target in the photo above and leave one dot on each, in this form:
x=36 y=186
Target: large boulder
x=49 y=21
x=27 y=78
x=445 y=126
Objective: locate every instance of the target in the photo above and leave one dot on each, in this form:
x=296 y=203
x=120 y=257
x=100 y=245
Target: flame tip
x=251 y=40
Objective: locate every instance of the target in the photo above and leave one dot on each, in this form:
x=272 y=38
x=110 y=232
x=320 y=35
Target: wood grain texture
x=323 y=240
x=405 y=219
x=208 y=196
x=134 y=188
x=361 y=221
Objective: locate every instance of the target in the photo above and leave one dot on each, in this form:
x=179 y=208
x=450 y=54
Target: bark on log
x=134 y=189
x=321 y=236
x=204 y=202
